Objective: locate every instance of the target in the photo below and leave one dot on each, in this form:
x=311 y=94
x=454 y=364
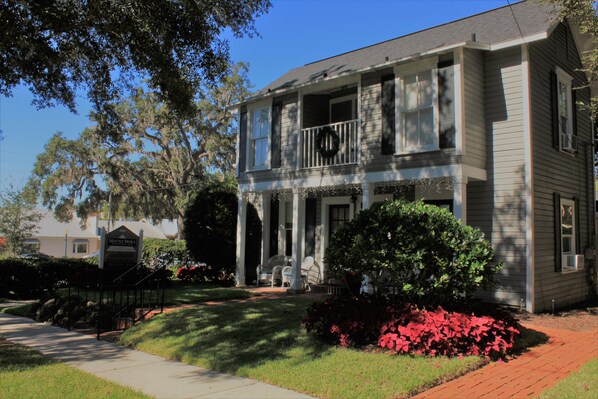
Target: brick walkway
x=529 y=374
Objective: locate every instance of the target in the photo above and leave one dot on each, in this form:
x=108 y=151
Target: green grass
x=177 y=294
x=25 y=373
x=24 y=310
x=264 y=340
x=582 y=384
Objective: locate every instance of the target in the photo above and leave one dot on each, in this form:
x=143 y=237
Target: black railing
x=124 y=300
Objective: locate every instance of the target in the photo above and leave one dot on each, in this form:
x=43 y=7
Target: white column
x=367 y=194
x=265 y=227
x=241 y=227
x=366 y=201
x=460 y=198
x=298 y=232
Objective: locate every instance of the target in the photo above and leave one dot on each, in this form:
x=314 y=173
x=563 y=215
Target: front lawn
x=582 y=384
x=264 y=340
x=25 y=373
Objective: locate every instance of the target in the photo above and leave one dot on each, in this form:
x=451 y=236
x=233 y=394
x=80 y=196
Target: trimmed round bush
x=418 y=253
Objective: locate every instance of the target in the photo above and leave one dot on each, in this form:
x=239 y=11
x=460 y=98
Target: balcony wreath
x=324 y=135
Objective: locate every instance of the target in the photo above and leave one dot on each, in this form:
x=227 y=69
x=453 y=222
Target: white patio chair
x=270 y=271
x=310 y=273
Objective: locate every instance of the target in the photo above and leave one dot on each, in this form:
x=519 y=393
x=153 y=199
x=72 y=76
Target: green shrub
x=170 y=251
x=30 y=278
x=419 y=252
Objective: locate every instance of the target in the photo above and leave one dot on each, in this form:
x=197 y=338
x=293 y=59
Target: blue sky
x=293 y=33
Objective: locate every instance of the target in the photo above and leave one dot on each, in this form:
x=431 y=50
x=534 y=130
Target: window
x=80 y=247
x=31 y=245
x=565 y=110
x=417 y=104
x=343 y=109
x=568 y=238
x=259 y=137
x=339 y=215
x=568 y=232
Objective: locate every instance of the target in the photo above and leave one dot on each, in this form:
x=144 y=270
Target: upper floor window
x=417 y=105
x=564 y=94
x=343 y=109
x=259 y=136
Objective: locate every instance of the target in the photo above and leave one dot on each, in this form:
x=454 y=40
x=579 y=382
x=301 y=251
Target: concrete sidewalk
x=150 y=374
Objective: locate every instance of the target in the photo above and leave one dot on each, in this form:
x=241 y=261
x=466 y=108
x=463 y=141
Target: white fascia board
x=438 y=50
x=431 y=172
x=519 y=41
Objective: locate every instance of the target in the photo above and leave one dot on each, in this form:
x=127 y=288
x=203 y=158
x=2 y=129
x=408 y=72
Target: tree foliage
x=104 y=46
x=420 y=252
x=157 y=161
x=211 y=233
x=584 y=14
x=18 y=218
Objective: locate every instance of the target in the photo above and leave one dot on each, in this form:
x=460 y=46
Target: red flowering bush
x=448 y=333
x=193 y=273
x=349 y=320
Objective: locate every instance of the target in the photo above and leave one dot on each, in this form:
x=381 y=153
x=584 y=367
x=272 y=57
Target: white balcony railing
x=347 y=148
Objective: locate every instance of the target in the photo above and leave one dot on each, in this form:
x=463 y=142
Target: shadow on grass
x=228 y=337
x=18 y=358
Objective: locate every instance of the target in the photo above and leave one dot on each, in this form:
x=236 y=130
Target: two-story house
x=478 y=115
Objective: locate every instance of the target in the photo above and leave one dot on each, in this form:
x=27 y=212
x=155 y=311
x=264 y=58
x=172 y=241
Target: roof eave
x=464 y=44
x=272 y=93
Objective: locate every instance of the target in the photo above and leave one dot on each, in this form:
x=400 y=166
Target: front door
x=338 y=215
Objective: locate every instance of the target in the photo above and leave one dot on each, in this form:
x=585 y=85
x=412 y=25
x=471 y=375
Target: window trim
x=249 y=154
x=567 y=80
x=428 y=64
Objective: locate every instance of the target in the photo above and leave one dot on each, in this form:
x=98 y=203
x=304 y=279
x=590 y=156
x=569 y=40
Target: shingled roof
x=492 y=27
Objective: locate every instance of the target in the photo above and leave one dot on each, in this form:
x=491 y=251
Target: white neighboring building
x=60 y=239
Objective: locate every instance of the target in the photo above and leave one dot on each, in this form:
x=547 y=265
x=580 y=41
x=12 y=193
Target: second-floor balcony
x=329 y=145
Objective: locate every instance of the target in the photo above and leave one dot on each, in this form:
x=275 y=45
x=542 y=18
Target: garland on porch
x=324 y=135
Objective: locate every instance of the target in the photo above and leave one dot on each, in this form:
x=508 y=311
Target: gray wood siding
x=555 y=171
x=497 y=206
x=475 y=124
x=289 y=132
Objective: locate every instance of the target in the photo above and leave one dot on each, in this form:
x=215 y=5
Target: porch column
x=367 y=194
x=298 y=233
x=265 y=226
x=460 y=198
x=241 y=227
x=366 y=200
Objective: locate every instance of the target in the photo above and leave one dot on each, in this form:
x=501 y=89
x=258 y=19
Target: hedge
x=31 y=278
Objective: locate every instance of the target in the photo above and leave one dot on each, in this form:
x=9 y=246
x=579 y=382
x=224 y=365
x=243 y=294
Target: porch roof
x=498 y=27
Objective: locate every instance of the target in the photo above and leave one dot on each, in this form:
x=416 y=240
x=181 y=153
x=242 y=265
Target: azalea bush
x=194 y=273
x=419 y=253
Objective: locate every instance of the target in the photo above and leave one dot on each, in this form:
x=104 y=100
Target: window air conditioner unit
x=568 y=142
x=573 y=263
